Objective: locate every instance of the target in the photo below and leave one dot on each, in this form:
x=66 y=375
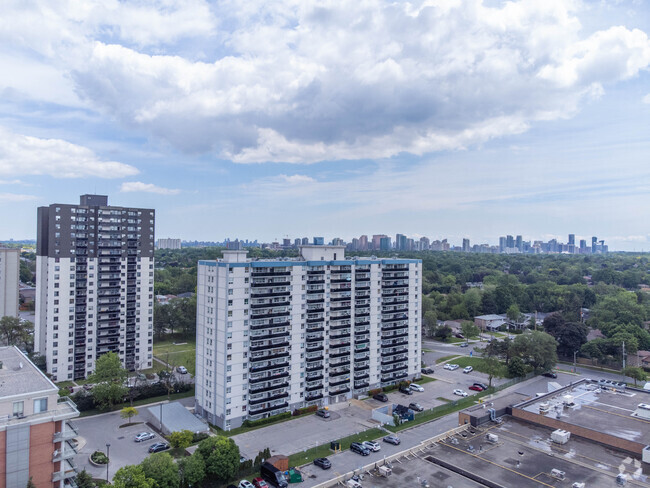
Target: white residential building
x=169 y=243
x=94 y=277
x=275 y=335
x=9 y=281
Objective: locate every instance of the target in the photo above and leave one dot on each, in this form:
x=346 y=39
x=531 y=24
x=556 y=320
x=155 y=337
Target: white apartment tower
x=9 y=281
x=169 y=243
x=275 y=335
x=94 y=278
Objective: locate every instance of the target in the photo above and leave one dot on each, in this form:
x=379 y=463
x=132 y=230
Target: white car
x=453 y=367
x=416 y=387
x=468 y=369
x=460 y=393
x=371 y=445
x=144 y=436
x=245 y=484
x=182 y=370
x=447 y=366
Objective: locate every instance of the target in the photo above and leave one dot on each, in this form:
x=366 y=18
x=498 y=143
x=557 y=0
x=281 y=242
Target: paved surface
x=98 y=430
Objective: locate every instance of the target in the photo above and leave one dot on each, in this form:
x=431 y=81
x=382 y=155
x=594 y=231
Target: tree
x=570 y=338
x=109 y=377
x=537 y=349
x=443 y=333
x=469 y=329
x=516 y=368
x=128 y=412
x=553 y=324
x=430 y=322
x=181 y=439
x=161 y=468
x=30 y=483
x=493 y=368
x=191 y=470
x=14 y=333
x=637 y=374
x=221 y=456
x=513 y=313
x=132 y=476
x=84 y=480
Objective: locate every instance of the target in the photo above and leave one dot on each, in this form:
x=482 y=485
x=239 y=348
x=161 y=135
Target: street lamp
x=574 y=360
x=108 y=456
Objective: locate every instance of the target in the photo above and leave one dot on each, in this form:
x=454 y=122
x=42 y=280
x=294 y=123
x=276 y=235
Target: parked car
x=260 y=483
x=381 y=397
x=475 y=388
x=464 y=344
x=406 y=390
x=371 y=445
x=447 y=366
x=273 y=475
x=144 y=436
x=245 y=484
x=392 y=439
x=182 y=370
x=158 y=447
x=550 y=374
x=241 y=459
x=323 y=463
x=453 y=367
x=468 y=369
x=460 y=336
x=359 y=449
x=482 y=385
x=460 y=392
x=323 y=413
x=427 y=370
x=416 y=406
x=415 y=387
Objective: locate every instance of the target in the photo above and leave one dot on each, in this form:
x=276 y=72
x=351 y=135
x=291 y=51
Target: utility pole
x=574 y=360
x=623 y=354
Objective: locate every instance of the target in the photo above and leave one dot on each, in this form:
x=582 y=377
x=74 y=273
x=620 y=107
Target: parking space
x=97 y=431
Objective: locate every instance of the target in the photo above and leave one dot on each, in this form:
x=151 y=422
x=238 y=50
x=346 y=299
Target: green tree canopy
x=537 y=349
x=161 y=468
x=181 y=439
x=191 y=470
x=132 y=476
x=109 y=377
x=637 y=374
x=221 y=457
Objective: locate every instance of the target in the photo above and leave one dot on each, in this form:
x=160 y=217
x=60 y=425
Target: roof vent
x=20 y=365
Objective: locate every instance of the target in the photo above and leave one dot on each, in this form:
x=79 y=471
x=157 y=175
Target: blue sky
x=270 y=119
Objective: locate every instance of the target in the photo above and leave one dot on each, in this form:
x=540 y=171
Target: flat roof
x=175 y=417
x=19 y=376
x=524 y=456
x=602 y=409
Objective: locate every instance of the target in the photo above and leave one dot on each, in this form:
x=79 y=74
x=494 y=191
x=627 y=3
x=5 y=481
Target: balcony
x=339 y=373
x=268 y=377
x=264 y=389
x=68 y=470
x=266 y=294
x=273 y=355
x=361 y=385
x=270 y=274
x=268 y=367
x=339 y=391
x=70 y=432
x=312 y=398
x=67 y=452
x=314 y=387
x=314 y=348
x=282 y=303
x=278 y=396
x=361 y=376
x=339 y=382
x=314 y=377
x=264 y=347
x=269 y=284
x=394 y=351
x=268 y=409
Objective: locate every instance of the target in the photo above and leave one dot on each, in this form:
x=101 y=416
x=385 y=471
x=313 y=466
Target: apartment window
x=40 y=405
x=229 y=313
x=19 y=408
x=229 y=292
x=230 y=303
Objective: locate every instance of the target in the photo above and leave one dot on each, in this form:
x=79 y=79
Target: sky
x=263 y=120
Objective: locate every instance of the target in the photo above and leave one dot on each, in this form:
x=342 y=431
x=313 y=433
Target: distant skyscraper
x=94 y=277
x=519 y=244
x=305 y=241
x=337 y=241
x=385 y=244
x=296 y=242
x=425 y=243
x=363 y=243
x=9 y=280
x=376 y=241
x=572 y=239
x=401 y=242
x=319 y=241
x=503 y=243
x=466 y=245
x=286 y=242
x=594 y=244
x=583 y=245
x=169 y=244
x=510 y=242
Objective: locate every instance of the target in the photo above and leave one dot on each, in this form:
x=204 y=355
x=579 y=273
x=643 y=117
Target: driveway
x=306 y=432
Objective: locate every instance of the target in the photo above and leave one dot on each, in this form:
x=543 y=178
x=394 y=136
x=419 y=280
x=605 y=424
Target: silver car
x=144 y=436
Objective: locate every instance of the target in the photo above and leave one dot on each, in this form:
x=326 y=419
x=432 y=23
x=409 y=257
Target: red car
x=260 y=483
x=476 y=388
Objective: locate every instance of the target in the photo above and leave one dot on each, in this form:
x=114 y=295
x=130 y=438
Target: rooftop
x=601 y=408
x=19 y=376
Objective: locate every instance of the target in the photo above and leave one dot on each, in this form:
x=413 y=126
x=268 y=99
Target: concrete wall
x=632 y=447
x=41 y=450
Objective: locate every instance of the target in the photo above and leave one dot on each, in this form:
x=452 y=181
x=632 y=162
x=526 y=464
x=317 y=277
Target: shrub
x=374 y=392
x=84 y=400
x=98 y=457
x=390 y=388
x=267 y=420
x=199 y=436
x=300 y=411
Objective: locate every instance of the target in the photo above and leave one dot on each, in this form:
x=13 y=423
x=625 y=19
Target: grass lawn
x=427 y=350
x=300 y=458
x=241 y=430
x=476 y=363
x=177 y=352
x=64 y=384
x=443 y=399
x=445 y=358
x=423 y=380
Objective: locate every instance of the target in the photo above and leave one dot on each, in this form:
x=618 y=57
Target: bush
x=374 y=391
x=300 y=411
x=98 y=457
x=390 y=388
x=199 y=436
x=267 y=420
x=84 y=400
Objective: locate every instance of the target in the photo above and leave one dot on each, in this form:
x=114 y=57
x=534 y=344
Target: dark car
x=460 y=336
x=323 y=413
x=482 y=385
x=158 y=447
x=381 y=397
x=416 y=406
x=359 y=449
x=323 y=463
x=427 y=370
x=406 y=390
x=392 y=439
x=475 y=388
x=550 y=374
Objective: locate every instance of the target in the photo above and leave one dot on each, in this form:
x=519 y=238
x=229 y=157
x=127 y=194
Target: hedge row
x=85 y=400
x=267 y=420
x=300 y=411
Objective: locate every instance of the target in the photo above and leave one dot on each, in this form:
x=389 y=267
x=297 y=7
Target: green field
x=176 y=352
x=476 y=363
x=300 y=458
x=446 y=358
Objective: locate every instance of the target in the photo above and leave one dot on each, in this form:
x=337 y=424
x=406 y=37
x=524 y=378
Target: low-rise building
x=489 y=322
x=36 y=438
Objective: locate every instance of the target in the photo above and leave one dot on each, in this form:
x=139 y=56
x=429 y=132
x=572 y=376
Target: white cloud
x=138 y=186
x=26 y=155
x=16 y=197
x=646 y=99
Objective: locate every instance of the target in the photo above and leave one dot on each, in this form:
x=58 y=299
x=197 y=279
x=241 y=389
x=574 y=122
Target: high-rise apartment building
x=594 y=245
x=35 y=433
x=363 y=243
x=9 y=281
x=274 y=335
x=169 y=243
x=519 y=243
x=94 y=277
x=466 y=247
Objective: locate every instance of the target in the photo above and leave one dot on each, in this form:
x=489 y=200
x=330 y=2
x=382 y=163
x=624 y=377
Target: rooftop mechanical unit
x=643 y=411
x=560 y=436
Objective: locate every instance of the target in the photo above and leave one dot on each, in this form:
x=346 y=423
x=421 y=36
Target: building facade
x=35 y=431
x=275 y=335
x=94 y=276
x=9 y=281
x=169 y=243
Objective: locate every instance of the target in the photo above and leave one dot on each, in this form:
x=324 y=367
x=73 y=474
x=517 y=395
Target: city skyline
x=259 y=118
